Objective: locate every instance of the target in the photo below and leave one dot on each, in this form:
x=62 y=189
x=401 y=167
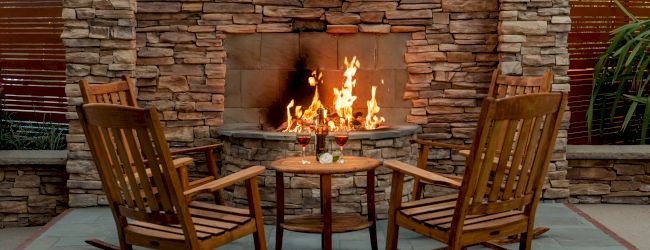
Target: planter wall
x=609 y=174
x=32 y=186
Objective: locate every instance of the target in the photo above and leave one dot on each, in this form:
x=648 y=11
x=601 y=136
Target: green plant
x=621 y=79
x=21 y=135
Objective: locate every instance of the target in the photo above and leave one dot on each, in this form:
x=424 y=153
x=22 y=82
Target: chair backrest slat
x=107 y=136
x=147 y=187
x=126 y=158
x=505 y=170
x=502 y=166
x=529 y=157
x=153 y=162
x=518 y=157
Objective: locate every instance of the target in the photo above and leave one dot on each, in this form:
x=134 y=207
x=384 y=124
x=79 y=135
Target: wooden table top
x=352 y=164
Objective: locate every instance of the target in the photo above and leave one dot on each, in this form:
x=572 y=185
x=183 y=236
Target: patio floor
x=568 y=231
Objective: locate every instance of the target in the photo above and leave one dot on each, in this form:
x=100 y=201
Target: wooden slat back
x=128 y=145
x=119 y=92
x=505 y=172
x=505 y=85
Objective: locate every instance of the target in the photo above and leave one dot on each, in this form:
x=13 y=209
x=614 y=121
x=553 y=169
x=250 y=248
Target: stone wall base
x=609 y=174
x=30 y=195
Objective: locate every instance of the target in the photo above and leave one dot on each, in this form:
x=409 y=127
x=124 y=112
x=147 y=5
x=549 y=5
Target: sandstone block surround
x=176 y=50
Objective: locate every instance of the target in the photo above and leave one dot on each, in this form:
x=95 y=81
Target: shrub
x=25 y=135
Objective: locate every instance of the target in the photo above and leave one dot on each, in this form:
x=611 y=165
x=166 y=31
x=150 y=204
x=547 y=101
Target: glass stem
x=341 y=157
x=303 y=155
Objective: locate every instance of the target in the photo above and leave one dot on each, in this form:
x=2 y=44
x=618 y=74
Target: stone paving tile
x=43 y=242
x=568 y=232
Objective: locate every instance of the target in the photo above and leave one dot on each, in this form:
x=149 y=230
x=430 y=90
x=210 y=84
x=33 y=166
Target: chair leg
x=259 y=239
x=391 y=235
x=218 y=198
x=121 y=224
x=253 y=195
x=526 y=240
x=397 y=185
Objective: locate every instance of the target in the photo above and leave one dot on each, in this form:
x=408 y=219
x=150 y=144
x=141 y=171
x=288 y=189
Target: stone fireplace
x=194 y=62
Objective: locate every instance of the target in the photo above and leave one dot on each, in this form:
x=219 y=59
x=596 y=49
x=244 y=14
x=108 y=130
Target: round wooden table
x=325 y=223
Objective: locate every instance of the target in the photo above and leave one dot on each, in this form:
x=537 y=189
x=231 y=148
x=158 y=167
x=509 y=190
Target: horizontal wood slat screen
x=32 y=60
x=591 y=24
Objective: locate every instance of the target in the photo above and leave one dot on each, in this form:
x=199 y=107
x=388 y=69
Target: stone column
x=181 y=67
x=533 y=39
x=99 y=37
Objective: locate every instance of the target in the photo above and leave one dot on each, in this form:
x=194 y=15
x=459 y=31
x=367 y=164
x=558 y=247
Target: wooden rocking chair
x=501 y=86
x=503 y=178
x=123 y=93
x=145 y=193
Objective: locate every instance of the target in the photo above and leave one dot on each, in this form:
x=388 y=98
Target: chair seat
x=437 y=212
x=209 y=220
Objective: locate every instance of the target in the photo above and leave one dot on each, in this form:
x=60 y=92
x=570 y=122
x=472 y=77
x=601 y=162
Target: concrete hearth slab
x=247 y=131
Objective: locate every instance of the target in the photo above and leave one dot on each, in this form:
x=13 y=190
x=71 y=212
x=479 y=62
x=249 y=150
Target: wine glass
x=341 y=137
x=303 y=137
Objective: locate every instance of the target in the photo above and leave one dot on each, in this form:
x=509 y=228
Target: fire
x=344 y=98
x=343 y=102
x=372 y=121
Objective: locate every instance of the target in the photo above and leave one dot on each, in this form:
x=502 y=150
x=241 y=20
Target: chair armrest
x=205 y=148
x=218 y=184
x=457 y=178
x=440 y=144
x=182 y=162
x=421 y=173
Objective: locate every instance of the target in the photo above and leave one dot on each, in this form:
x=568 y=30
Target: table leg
x=372 y=218
x=279 y=194
x=326 y=210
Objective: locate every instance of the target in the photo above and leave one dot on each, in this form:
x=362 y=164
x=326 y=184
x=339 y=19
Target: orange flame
x=343 y=103
x=297 y=124
x=372 y=121
x=344 y=98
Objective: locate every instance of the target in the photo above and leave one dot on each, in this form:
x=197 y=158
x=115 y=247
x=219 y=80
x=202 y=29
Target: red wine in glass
x=303 y=140
x=341 y=140
x=341 y=137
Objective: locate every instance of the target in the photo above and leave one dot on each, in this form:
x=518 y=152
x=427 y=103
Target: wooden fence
x=591 y=24
x=32 y=60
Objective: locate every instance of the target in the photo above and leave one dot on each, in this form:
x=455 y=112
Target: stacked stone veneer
x=302 y=196
x=176 y=50
x=609 y=181
x=30 y=195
